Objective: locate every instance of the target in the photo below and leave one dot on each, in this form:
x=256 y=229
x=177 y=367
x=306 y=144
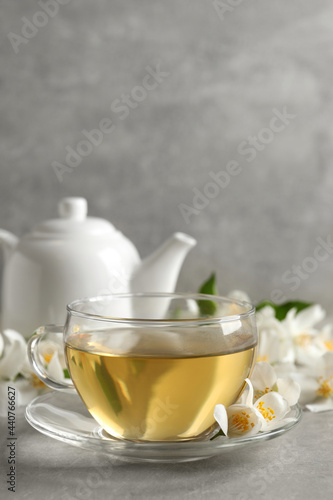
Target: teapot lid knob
x=73 y=208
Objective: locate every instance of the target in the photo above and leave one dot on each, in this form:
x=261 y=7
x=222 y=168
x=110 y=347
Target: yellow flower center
x=325 y=387
x=36 y=382
x=241 y=421
x=47 y=357
x=267 y=413
x=262 y=358
x=258 y=393
x=329 y=345
x=303 y=340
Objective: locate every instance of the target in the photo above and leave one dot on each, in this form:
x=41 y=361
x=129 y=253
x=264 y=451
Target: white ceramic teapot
x=77 y=256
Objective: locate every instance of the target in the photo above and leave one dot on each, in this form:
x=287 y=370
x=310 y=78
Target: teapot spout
x=8 y=242
x=159 y=272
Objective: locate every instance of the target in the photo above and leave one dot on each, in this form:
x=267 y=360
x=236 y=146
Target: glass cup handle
x=46 y=333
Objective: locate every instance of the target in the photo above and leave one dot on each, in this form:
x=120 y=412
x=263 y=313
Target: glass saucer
x=64 y=417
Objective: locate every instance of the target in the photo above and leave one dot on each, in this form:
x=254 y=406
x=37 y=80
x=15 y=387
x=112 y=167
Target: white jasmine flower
x=273 y=409
x=304 y=321
x=16 y=372
x=14 y=354
x=268 y=412
x=237 y=420
x=275 y=343
x=324 y=390
x=310 y=348
x=300 y=327
x=325 y=378
x=265 y=380
x=56 y=368
x=49 y=349
x=325 y=338
x=294 y=339
x=52 y=356
x=13 y=361
x=239 y=295
x=305 y=377
x=318 y=407
x=295 y=346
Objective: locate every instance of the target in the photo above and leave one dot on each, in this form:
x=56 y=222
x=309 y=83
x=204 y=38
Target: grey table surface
x=296 y=465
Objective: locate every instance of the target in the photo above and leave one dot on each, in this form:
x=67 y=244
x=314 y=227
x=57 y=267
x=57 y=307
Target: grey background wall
x=227 y=72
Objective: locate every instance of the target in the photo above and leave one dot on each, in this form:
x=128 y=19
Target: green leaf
x=208 y=307
x=66 y=373
x=108 y=387
x=220 y=433
x=281 y=310
x=137 y=366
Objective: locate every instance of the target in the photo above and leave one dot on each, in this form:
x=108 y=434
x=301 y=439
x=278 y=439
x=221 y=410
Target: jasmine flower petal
x=221 y=417
x=289 y=390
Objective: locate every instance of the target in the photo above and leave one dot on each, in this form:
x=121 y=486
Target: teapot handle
x=46 y=333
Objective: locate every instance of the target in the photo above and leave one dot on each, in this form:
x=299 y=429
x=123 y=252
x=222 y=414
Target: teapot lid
x=73 y=220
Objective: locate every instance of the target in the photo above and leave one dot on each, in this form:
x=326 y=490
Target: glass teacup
x=152 y=367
